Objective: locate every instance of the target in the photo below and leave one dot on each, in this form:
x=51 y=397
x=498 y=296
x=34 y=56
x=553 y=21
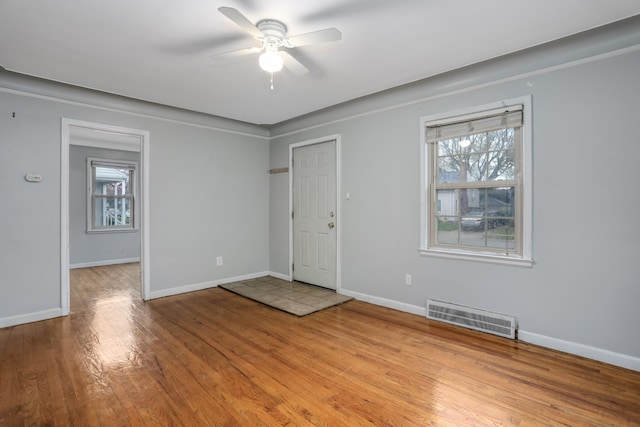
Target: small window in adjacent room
x=111 y=201
x=477 y=185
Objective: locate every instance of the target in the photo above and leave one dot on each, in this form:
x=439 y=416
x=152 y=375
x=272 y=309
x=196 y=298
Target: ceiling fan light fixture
x=271 y=61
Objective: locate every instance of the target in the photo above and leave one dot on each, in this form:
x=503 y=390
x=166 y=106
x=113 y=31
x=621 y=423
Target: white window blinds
x=485 y=122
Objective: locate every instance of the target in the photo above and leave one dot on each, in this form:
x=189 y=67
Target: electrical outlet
x=219 y=261
x=408 y=279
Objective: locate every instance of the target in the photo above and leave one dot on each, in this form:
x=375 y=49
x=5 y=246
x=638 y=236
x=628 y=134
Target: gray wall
x=103 y=248
x=582 y=293
x=211 y=194
x=209 y=187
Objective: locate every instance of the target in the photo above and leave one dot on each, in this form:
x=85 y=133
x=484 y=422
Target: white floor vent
x=480 y=320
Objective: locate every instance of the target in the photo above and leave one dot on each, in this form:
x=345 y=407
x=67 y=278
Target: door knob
x=331 y=225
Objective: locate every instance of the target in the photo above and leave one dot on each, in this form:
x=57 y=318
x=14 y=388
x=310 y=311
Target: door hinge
x=293 y=267
x=291 y=214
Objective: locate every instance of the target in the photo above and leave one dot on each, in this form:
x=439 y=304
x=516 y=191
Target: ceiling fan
x=271 y=35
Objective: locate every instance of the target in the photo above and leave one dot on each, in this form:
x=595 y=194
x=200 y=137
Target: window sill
x=112 y=230
x=486 y=258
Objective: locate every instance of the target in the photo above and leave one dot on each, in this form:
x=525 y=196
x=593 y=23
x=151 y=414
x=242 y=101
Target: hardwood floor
x=215 y=358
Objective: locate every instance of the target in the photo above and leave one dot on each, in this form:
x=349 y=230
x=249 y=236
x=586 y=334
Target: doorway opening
x=87 y=136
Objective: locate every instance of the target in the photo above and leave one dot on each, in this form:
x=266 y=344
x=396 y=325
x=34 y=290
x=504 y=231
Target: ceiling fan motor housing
x=275 y=33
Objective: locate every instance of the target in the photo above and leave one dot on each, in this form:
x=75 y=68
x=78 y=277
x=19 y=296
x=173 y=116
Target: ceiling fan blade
x=321 y=36
x=293 y=64
x=235 y=53
x=240 y=20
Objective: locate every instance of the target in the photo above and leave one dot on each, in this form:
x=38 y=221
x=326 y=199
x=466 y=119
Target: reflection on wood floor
x=215 y=358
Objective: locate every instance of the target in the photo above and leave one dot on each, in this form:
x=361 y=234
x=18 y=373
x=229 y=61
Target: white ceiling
x=159 y=50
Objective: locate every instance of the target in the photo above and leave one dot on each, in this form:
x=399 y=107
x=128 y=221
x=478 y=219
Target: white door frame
x=338 y=149
x=142 y=137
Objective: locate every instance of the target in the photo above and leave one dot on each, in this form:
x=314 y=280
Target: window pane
x=113 y=181
x=502 y=139
x=447 y=233
x=448 y=169
x=449 y=147
x=476 y=143
x=473 y=221
x=500 y=203
x=475 y=237
x=447 y=202
x=502 y=236
x=501 y=165
x=487 y=156
x=473 y=167
x=112 y=212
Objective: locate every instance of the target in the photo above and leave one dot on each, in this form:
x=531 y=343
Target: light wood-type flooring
x=215 y=358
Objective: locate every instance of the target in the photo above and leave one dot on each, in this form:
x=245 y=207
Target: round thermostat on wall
x=32 y=177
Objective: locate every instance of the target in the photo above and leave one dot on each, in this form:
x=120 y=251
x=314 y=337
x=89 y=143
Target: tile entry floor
x=293 y=297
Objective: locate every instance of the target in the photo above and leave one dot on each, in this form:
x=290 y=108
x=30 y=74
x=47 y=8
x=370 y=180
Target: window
x=111 y=201
x=476 y=185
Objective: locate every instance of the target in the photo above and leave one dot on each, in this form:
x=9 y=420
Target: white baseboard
x=606 y=356
x=279 y=276
x=384 y=302
x=101 y=263
x=30 y=317
x=204 y=285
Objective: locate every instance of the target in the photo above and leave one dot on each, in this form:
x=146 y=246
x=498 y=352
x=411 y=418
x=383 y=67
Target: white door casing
x=120 y=138
x=315 y=213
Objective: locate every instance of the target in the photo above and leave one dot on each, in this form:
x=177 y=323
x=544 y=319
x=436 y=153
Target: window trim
x=124 y=164
x=526 y=165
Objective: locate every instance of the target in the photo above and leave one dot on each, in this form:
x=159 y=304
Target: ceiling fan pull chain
x=271 y=81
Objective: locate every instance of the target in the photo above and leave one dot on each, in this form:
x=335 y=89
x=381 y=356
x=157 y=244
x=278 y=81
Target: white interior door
x=314 y=214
